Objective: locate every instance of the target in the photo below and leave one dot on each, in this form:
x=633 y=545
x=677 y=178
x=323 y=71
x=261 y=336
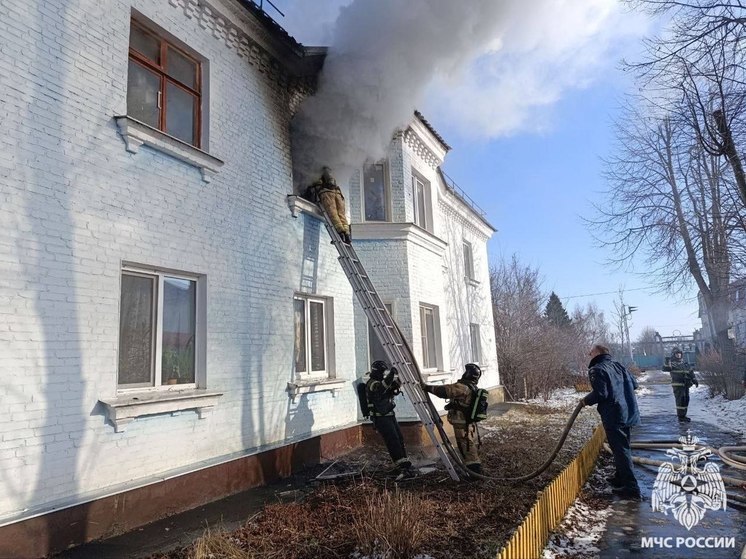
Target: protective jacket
x=682 y=373
x=613 y=391
x=381 y=392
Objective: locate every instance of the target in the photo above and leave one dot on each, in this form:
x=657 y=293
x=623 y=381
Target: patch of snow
x=581 y=528
x=643 y=377
x=643 y=391
x=561 y=398
x=726 y=414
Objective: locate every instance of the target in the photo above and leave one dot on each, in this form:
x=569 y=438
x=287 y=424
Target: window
x=421 y=195
x=476 y=343
x=375 y=200
x=158 y=328
x=163 y=86
x=468 y=261
x=375 y=349
x=430 y=336
x=310 y=319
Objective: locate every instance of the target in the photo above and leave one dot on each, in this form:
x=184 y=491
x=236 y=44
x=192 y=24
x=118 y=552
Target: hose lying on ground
x=737 y=461
x=650 y=462
x=547 y=463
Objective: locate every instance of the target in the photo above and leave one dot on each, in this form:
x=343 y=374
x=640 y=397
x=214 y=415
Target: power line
x=605 y=293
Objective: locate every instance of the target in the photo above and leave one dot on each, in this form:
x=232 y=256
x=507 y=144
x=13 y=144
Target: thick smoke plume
x=384 y=54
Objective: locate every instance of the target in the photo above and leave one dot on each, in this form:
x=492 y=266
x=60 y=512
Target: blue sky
x=529 y=122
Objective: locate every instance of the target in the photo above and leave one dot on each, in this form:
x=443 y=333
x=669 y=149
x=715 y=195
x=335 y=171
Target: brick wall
x=76 y=204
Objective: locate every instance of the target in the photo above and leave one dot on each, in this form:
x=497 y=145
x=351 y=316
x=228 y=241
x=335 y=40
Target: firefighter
x=461 y=395
x=682 y=378
x=380 y=391
x=326 y=192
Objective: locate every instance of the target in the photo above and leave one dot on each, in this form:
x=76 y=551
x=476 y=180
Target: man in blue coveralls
x=614 y=393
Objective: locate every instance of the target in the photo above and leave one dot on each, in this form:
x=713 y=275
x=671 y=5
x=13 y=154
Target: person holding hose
x=613 y=391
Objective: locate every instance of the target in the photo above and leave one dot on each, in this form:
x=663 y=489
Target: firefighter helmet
x=379 y=367
x=472 y=372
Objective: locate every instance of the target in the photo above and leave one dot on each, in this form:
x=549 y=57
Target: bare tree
x=668 y=200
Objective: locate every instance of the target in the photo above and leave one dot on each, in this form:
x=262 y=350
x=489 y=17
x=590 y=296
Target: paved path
x=630 y=522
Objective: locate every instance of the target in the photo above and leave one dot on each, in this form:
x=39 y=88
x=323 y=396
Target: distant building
x=737 y=322
x=176 y=326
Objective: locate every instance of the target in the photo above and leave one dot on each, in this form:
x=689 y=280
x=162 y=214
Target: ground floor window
x=158 y=318
x=430 y=335
x=476 y=343
x=311 y=320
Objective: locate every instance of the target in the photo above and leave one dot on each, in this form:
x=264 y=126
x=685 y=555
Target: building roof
x=432 y=130
x=306 y=60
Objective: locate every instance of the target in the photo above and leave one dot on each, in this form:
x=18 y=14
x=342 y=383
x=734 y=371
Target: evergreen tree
x=555 y=312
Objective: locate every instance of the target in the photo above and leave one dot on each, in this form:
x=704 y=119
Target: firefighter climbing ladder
x=397 y=350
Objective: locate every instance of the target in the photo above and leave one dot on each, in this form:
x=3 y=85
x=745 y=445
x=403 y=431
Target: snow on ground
x=561 y=398
x=729 y=415
x=583 y=525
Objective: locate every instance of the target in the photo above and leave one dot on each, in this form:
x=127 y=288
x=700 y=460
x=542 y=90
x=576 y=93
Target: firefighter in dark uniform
x=380 y=390
x=682 y=378
x=326 y=192
x=461 y=395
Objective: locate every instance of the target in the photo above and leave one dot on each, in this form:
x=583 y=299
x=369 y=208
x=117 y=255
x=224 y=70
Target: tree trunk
x=731 y=153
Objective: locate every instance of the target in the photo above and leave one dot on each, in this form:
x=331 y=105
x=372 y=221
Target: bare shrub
x=391 y=524
x=719 y=378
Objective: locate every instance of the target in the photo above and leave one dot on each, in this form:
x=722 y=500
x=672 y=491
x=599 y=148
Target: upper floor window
x=423 y=215
x=164 y=88
x=375 y=193
x=311 y=319
x=468 y=260
x=158 y=331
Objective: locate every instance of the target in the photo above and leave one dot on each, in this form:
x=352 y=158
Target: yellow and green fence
x=530 y=538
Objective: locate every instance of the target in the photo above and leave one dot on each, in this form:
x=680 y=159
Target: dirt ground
x=369 y=515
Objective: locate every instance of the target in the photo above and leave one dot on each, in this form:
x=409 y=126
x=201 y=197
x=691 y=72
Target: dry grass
x=392 y=524
x=214 y=545
x=430 y=515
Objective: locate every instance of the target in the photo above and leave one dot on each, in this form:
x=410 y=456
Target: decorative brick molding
x=451 y=213
x=235 y=38
x=420 y=149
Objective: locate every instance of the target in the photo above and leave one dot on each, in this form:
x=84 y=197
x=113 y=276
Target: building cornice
x=387 y=231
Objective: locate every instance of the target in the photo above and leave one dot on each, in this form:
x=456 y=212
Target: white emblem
x=688 y=490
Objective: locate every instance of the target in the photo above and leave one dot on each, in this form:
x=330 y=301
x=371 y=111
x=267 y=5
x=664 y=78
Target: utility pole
x=630 y=310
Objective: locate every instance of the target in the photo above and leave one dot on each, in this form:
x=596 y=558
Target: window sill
x=436 y=376
x=298 y=205
x=309 y=386
x=126 y=408
x=136 y=133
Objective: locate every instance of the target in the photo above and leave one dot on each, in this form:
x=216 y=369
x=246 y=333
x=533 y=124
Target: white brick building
x=166 y=319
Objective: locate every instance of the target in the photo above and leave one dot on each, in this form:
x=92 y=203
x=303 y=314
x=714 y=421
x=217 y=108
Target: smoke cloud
x=386 y=55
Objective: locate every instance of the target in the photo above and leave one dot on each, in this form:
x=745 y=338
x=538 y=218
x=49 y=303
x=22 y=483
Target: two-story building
x=176 y=326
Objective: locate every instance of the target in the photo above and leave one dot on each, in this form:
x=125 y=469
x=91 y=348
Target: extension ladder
x=397 y=350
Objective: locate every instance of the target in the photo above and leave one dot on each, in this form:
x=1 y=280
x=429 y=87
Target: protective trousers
x=389 y=429
x=619 y=439
x=681 y=394
x=467 y=441
x=334 y=204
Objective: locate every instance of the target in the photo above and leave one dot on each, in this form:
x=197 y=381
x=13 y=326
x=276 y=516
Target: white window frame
x=200 y=330
x=427 y=210
x=386 y=193
x=328 y=325
x=475 y=343
x=468 y=249
x=424 y=342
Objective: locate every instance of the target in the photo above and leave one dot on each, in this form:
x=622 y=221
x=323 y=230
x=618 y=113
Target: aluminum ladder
x=397 y=350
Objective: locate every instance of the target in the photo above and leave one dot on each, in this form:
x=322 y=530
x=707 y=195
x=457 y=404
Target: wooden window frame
x=325 y=309
x=468 y=249
x=386 y=193
x=160 y=70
